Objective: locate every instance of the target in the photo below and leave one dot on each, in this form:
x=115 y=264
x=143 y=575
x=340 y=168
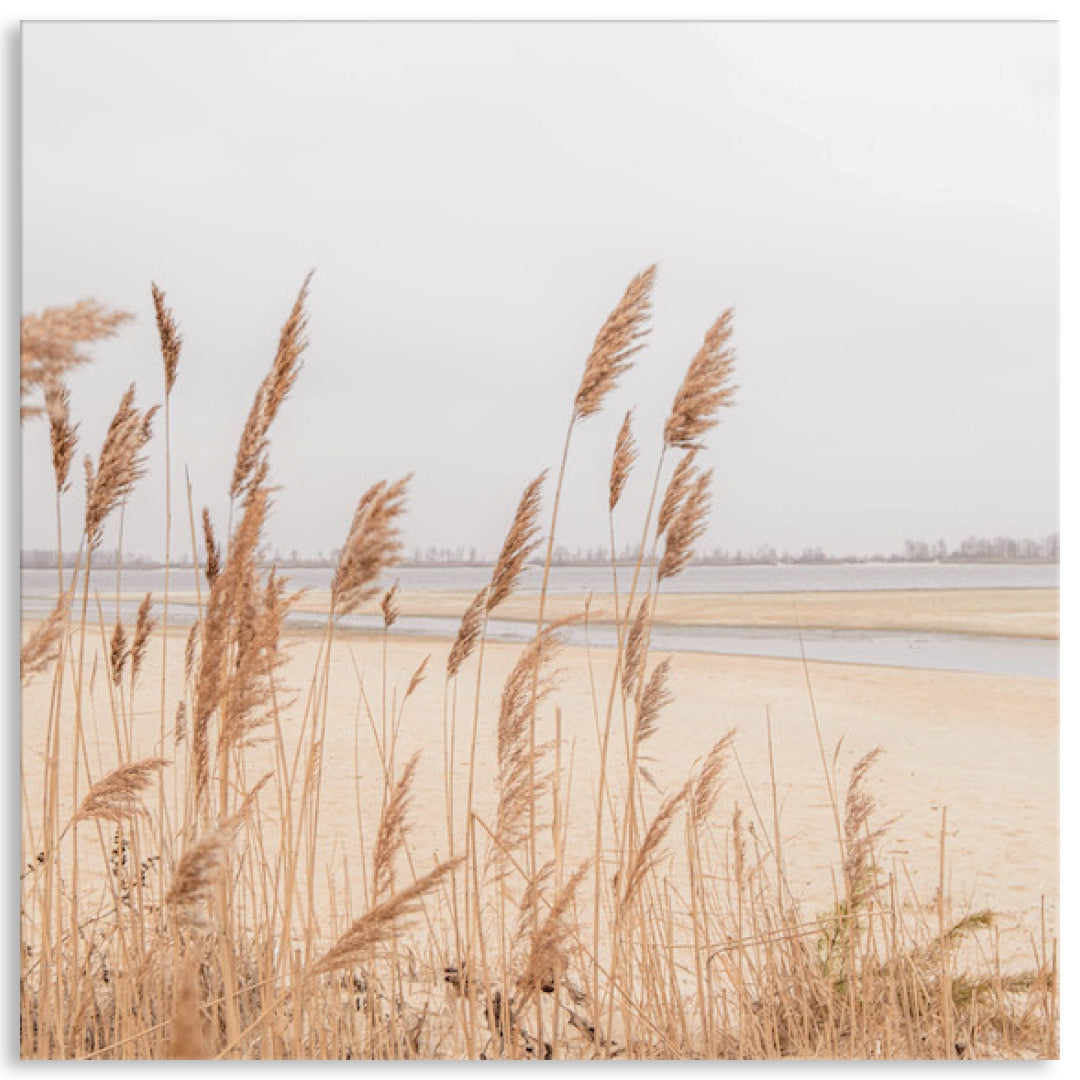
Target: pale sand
x=985 y=748
x=1012 y=612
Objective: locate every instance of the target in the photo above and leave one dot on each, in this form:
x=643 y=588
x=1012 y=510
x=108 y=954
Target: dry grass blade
x=62 y=433
x=43 y=645
x=380 y=922
x=472 y=623
x=144 y=627
x=678 y=486
x=618 y=340
x=189 y=650
x=270 y=395
x=117 y=796
x=390 y=607
x=213 y=552
x=168 y=335
x=622 y=461
x=390 y=837
x=686 y=528
x=120 y=465
x=705 y=389
x=521 y=541
x=49 y=343
x=372 y=546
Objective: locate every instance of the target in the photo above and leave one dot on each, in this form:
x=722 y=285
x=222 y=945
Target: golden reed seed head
x=619 y=338
x=521 y=541
x=381 y=921
x=686 y=528
x=372 y=546
x=118 y=653
x=213 y=553
x=637 y=644
x=622 y=461
x=49 y=343
x=117 y=796
x=62 y=432
x=472 y=623
x=43 y=645
x=144 y=627
x=390 y=607
x=707 y=784
x=168 y=335
x=120 y=464
x=271 y=393
x=417 y=677
x=705 y=388
x=676 y=490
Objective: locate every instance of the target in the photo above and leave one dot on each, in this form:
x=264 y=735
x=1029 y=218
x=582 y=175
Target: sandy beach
x=975 y=751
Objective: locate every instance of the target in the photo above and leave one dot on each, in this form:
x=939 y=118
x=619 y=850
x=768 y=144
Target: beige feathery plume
x=189 y=650
x=705 y=389
x=49 y=343
x=678 y=485
x=646 y=855
x=372 y=546
x=144 y=627
x=213 y=553
x=654 y=698
x=521 y=541
x=186 y=1040
x=118 y=653
x=271 y=393
x=169 y=336
x=180 y=723
x=120 y=464
x=619 y=338
x=621 y=462
x=472 y=623
x=382 y=920
x=859 y=840
x=547 y=957
x=417 y=677
x=686 y=528
x=62 y=432
x=43 y=645
x=198 y=872
x=637 y=644
x=117 y=796
x=391 y=609
x=518 y=784
x=707 y=783
x=390 y=835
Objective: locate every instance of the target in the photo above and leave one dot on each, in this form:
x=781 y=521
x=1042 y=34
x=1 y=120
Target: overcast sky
x=877 y=201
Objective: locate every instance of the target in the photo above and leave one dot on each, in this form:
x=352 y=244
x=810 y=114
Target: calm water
x=954 y=652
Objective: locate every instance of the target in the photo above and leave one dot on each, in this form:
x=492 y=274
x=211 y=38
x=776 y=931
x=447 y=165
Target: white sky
x=878 y=201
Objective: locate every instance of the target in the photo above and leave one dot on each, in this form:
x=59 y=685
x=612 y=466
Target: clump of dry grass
x=51 y=344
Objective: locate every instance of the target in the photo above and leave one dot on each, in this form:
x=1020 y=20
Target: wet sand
x=1009 y=612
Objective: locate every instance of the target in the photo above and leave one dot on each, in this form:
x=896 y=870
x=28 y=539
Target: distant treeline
x=971 y=549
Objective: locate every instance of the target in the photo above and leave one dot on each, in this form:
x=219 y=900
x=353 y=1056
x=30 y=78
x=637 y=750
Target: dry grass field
x=246 y=842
